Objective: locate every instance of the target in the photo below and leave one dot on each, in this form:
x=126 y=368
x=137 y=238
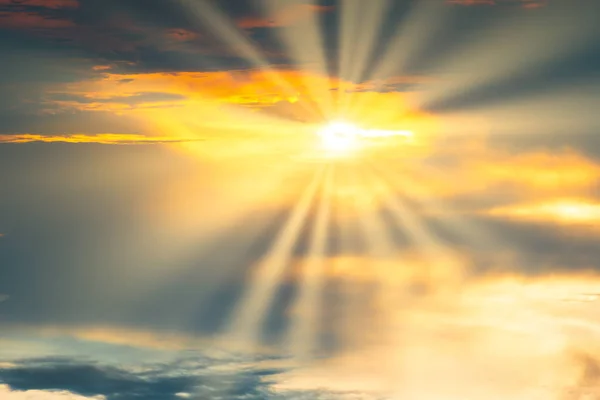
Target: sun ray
x=474 y=67
x=359 y=22
x=562 y=110
x=412 y=35
x=380 y=248
x=432 y=248
x=246 y=322
x=467 y=229
x=370 y=23
x=184 y=236
x=306 y=46
x=304 y=331
x=220 y=24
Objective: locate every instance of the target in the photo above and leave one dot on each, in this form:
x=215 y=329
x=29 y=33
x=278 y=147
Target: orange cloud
x=237 y=87
x=292 y=94
x=259 y=102
x=526 y=176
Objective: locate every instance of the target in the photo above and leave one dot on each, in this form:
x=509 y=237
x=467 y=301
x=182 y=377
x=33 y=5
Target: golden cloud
x=497 y=336
x=527 y=176
x=577 y=212
x=230 y=106
x=102 y=138
x=281 y=92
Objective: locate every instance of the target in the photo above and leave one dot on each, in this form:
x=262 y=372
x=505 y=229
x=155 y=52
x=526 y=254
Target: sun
x=339 y=137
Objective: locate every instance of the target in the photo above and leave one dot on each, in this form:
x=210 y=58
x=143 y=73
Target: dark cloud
x=195 y=375
x=159 y=382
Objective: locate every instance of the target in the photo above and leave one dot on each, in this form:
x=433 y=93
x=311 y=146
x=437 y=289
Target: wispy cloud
x=577 y=212
x=6 y=393
x=529 y=4
x=106 y=138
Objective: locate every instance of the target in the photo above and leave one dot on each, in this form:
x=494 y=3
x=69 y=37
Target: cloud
x=8 y=394
x=467 y=340
x=497 y=175
x=194 y=376
x=129 y=99
x=237 y=87
x=36 y=14
x=105 y=138
x=92 y=380
x=472 y=2
x=52 y=4
x=31 y=21
x=529 y=4
x=129 y=337
x=468 y=337
x=4 y=297
x=575 y=212
x=283 y=16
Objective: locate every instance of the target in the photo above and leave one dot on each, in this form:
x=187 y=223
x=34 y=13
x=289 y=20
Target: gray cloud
x=196 y=375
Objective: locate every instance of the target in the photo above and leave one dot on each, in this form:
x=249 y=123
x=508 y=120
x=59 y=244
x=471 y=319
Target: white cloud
x=183 y=395
x=7 y=394
x=497 y=337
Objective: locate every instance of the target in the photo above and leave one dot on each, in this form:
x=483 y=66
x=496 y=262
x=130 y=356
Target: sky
x=299 y=199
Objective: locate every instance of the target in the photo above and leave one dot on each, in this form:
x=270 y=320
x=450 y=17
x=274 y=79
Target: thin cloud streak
x=106 y=138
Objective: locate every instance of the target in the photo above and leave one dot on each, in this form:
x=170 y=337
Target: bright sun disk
x=342 y=137
x=339 y=136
